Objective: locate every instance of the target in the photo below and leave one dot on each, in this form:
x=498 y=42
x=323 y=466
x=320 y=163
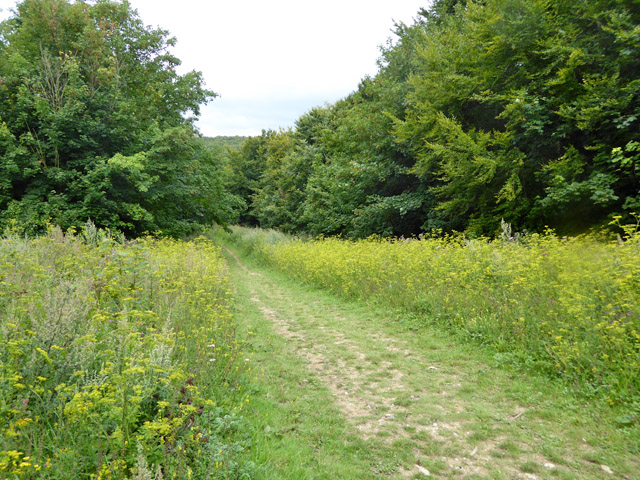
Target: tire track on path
x=391 y=392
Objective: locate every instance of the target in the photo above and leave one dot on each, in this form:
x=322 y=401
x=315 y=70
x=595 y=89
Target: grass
x=566 y=307
x=118 y=360
x=346 y=389
x=158 y=359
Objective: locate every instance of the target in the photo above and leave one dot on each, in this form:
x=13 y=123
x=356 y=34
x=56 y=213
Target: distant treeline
x=522 y=110
x=225 y=142
x=527 y=110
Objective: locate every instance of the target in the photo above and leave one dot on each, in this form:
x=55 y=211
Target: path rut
x=389 y=390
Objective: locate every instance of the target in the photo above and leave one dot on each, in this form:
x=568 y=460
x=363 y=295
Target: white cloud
x=272 y=61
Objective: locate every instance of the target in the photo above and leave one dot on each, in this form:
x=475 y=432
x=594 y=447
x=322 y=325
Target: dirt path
x=452 y=415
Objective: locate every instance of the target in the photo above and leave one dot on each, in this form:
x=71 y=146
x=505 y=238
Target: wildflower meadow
x=567 y=307
x=118 y=360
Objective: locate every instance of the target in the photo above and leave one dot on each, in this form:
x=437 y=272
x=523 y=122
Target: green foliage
x=94 y=124
x=117 y=360
x=338 y=173
x=481 y=110
x=246 y=165
x=567 y=308
x=277 y=200
x=363 y=185
x=225 y=143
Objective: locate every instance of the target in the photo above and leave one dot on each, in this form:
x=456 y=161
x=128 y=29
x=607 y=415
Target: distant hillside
x=233 y=143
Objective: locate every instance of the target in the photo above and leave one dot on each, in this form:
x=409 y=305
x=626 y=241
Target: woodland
x=95 y=123
x=526 y=111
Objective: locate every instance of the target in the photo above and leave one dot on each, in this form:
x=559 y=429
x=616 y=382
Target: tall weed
x=117 y=360
x=567 y=306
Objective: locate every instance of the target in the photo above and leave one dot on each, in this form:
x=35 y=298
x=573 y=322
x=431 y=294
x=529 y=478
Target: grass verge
x=346 y=389
x=568 y=308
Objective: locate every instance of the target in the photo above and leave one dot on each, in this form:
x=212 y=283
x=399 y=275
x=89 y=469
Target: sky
x=271 y=61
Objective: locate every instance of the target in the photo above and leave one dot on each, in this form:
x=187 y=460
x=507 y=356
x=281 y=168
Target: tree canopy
x=96 y=123
x=482 y=110
x=523 y=110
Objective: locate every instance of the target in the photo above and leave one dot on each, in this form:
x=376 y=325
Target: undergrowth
x=118 y=360
x=568 y=307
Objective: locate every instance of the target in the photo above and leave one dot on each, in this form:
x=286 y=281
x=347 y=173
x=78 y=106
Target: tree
x=482 y=110
x=526 y=110
x=279 y=193
x=361 y=183
x=93 y=118
x=246 y=165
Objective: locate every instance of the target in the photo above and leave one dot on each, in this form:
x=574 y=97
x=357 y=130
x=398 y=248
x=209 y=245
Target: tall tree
x=482 y=110
x=279 y=193
x=526 y=110
x=93 y=116
x=361 y=185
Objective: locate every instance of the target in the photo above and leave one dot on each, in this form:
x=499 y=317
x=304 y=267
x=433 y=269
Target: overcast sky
x=273 y=60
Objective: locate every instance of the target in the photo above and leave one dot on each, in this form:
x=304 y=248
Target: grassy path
x=346 y=391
